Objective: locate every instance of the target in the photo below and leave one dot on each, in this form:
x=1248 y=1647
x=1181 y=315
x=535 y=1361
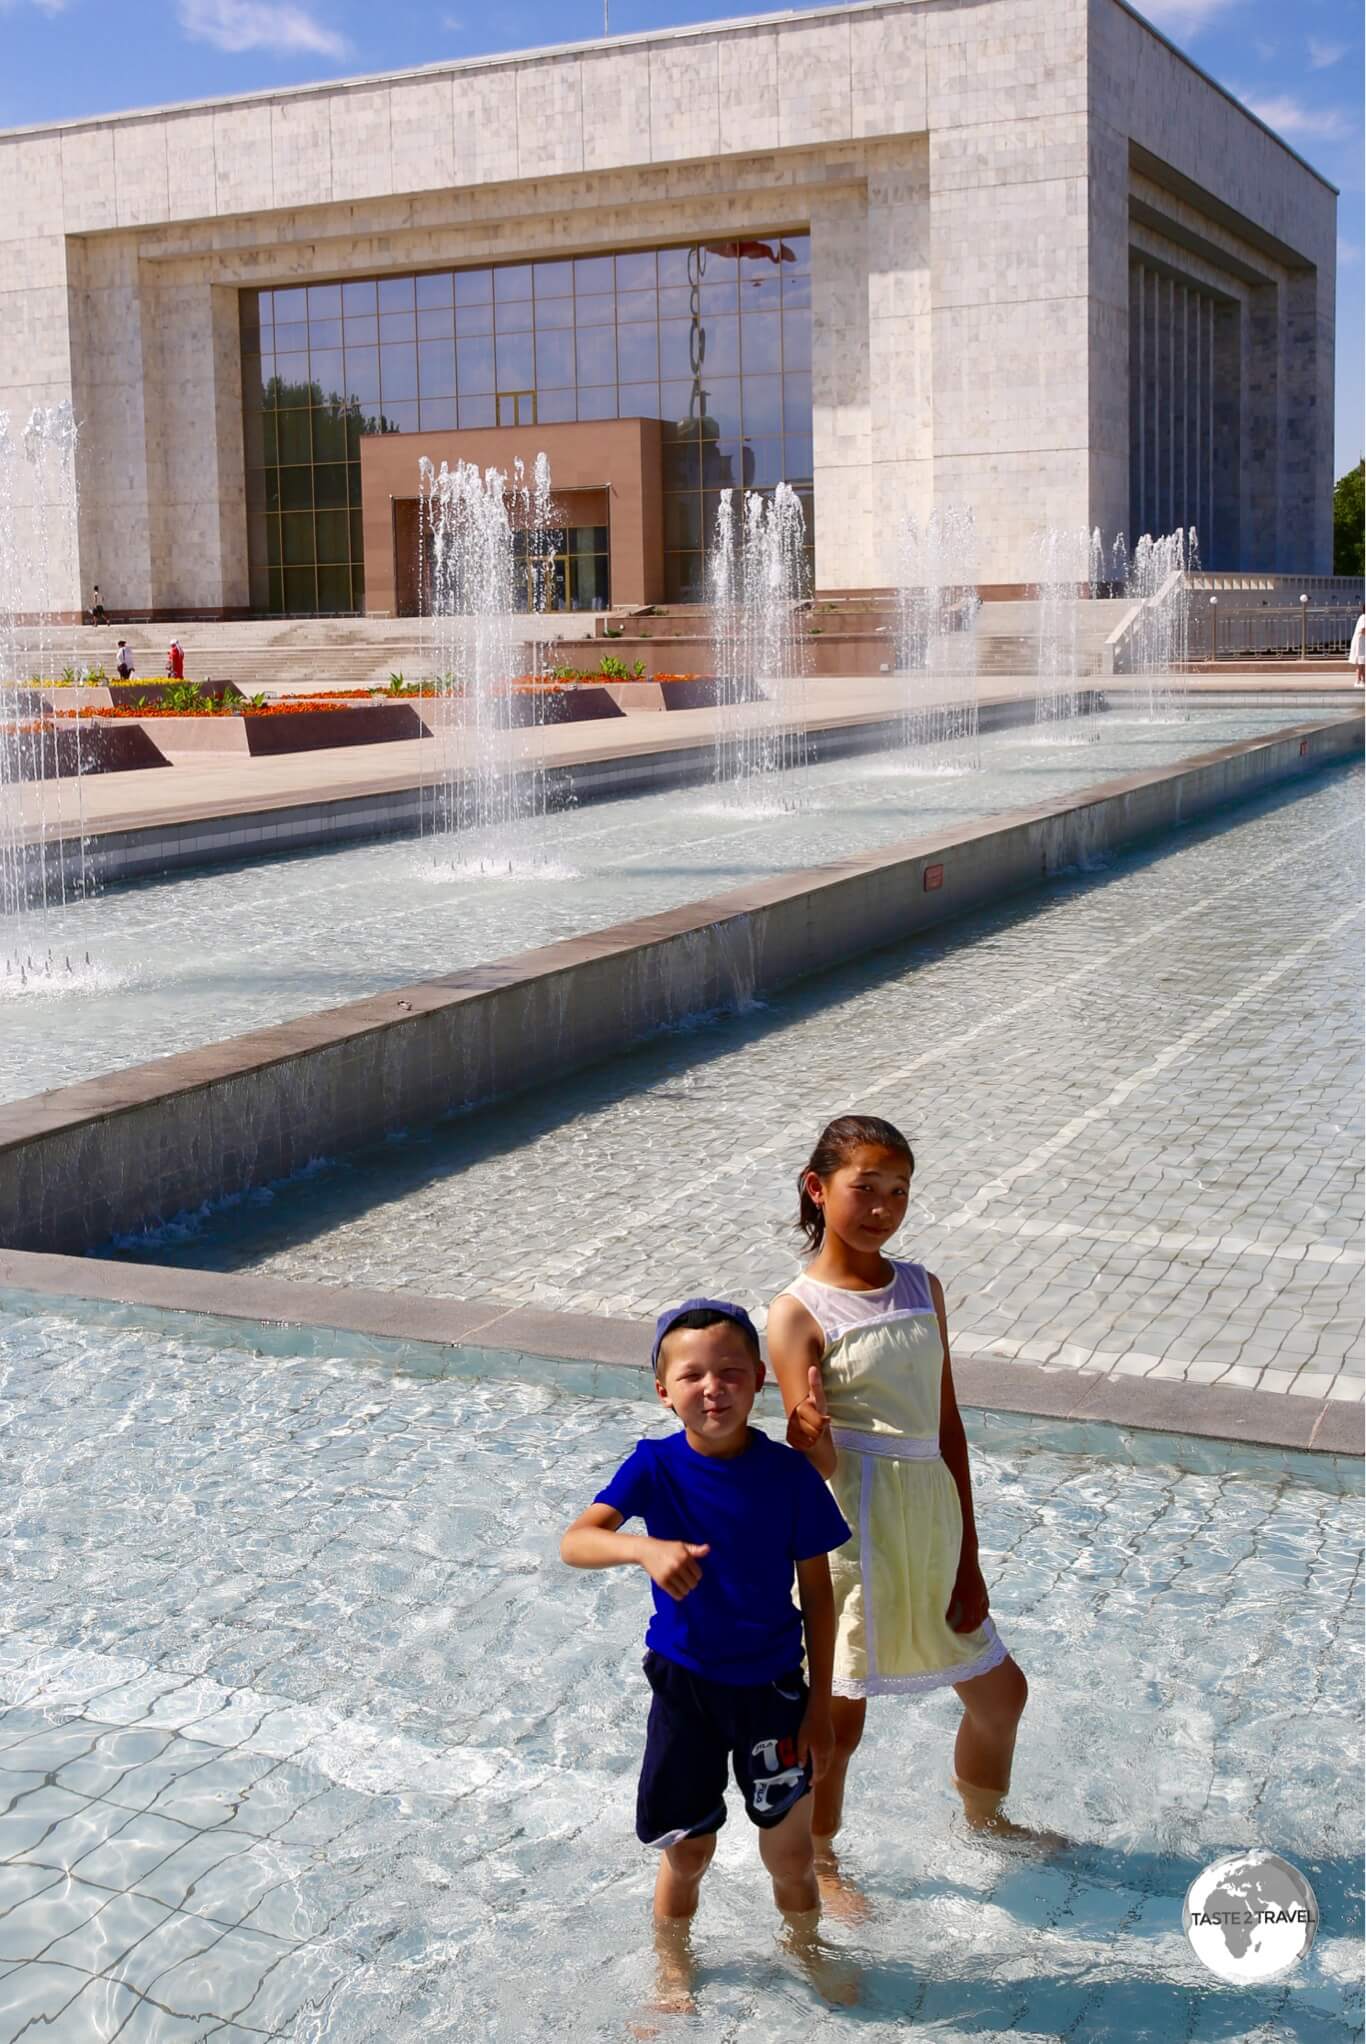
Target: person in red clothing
x=175 y=661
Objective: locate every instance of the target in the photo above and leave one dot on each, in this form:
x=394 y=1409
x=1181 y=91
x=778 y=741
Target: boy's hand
x=816 y=1739
x=810 y=1418
x=673 y=1564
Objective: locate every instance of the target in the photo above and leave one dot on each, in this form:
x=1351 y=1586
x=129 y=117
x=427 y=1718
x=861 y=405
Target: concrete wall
x=135 y=1147
x=966 y=169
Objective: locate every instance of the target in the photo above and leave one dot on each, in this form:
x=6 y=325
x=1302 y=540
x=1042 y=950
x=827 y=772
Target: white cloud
x=1291 y=116
x=43 y=6
x=1183 y=17
x=453 y=24
x=1349 y=255
x=238 y=25
x=1322 y=56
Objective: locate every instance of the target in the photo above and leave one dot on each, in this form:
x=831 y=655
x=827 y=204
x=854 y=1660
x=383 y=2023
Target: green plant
x=562 y=671
x=614 y=631
x=638 y=670
x=257 y=702
x=1349 y=517
x=397 y=685
x=69 y=677
x=95 y=677
x=612 y=668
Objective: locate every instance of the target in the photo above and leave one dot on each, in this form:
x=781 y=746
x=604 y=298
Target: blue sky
x=1299 y=66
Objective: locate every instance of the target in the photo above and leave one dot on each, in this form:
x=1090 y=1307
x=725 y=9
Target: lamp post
x=1213 y=628
x=1304 y=621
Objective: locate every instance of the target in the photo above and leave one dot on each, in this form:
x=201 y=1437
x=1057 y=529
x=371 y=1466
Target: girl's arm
x=968 y=1605
x=795 y=1348
x=818 y=1617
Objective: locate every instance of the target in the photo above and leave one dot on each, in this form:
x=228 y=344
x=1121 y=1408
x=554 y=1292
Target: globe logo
x=1250 y=1917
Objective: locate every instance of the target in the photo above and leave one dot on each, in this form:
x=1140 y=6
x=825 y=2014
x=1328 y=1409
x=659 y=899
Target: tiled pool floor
x=1135 y=1100
x=305 y=1733
x=205 y=955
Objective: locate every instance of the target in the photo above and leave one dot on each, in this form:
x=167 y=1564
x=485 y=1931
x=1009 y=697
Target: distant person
x=125 y=661
x=860 y=1349
x=730 y=1517
x=97 y=616
x=1357 y=655
x=175 y=661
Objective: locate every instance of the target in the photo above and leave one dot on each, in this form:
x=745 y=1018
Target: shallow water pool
x=205 y=955
x=305 y=1732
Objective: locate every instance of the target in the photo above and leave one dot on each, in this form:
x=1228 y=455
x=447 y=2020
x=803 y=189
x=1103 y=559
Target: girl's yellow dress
x=882 y=1369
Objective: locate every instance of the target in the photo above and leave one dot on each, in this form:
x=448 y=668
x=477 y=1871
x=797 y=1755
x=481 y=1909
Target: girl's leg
x=847 y=1715
x=992 y=1707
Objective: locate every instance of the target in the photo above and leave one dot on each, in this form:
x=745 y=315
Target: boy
x=729 y=1514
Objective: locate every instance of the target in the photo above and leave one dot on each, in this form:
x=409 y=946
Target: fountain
x=757 y=578
x=937 y=612
x=1160 y=640
x=1065 y=569
x=486 y=541
x=40 y=808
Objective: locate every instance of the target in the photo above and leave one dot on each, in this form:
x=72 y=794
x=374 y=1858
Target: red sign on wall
x=934 y=877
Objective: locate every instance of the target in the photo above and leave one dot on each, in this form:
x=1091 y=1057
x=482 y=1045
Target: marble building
x=1017 y=255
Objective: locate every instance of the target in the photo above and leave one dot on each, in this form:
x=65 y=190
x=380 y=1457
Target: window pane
x=270 y=442
x=399 y=417
x=723 y=464
x=598 y=404
x=718 y=299
x=675 y=304
x=796 y=404
x=554 y=360
x=682 y=466
x=475 y=411
x=761 y=341
x=682 y=519
x=638 y=400
x=398 y=373
x=292 y=304
x=475 y=361
x=271 y=480
x=434 y=290
x=723 y=347
x=296 y=442
x=436 y=368
x=300 y=590
x=334 y=589
x=599 y=310
x=291 y=380
x=588 y=582
x=675 y=408
x=673 y=266
x=396 y=326
x=514 y=359
x=437 y=324
x=358 y=298
x=554 y=312
x=636 y=272
x=362 y=374
x=797 y=460
x=675 y=344
x=324 y=333
x=593 y=273
x=473 y=287
x=360 y=333
x=637 y=354
x=513 y=316
x=329 y=435
x=436 y=414
x=595 y=353
x=353 y=478
x=329 y=483
x=553 y=280
x=796 y=340
x=334 y=535
x=763 y=406
x=297 y=532
x=326 y=367
x=760 y=293
x=357 y=536
x=296 y=489
x=254 y=439
x=796 y=292
x=763 y=464
x=512 y=280
x=553 y=407
x=633 y=307
x=275 y=583
x=396 y=294
x=723 y=405
x=474 y=319
x=273 y=542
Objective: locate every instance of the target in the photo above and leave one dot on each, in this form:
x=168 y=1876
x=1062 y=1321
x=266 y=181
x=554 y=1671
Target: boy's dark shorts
x=695 y=1726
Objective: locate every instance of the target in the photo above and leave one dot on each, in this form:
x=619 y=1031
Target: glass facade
x=713 y=338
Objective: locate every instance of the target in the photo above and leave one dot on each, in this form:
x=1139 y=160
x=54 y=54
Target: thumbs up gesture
x=810 y=1417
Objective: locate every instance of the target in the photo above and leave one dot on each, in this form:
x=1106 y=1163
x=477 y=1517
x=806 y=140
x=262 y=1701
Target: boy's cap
x=723 y=1308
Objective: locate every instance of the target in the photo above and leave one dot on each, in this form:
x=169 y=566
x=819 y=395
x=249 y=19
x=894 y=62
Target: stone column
x=841 y=412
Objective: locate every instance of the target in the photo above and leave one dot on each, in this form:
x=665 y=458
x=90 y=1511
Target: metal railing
x=1305 y=631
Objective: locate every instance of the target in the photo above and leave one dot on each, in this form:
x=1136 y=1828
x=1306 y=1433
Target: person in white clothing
x=1357 y=655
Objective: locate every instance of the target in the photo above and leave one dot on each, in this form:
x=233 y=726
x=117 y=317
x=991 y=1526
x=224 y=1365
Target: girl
x=861 y=1350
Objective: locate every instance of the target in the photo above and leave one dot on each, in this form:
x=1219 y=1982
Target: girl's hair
x=835 y=1145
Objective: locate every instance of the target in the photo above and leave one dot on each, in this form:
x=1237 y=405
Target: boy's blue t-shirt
x=761 y=1512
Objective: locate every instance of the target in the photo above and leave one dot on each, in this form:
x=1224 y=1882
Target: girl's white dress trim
x=935 y=1678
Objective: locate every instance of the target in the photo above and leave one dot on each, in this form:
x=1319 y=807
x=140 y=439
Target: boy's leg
x=679 y=1879
x=681 y=1799
x=785 y=1849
